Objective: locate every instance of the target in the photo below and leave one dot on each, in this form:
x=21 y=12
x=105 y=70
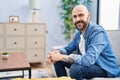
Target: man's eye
x=74 y=16
x=80 y=15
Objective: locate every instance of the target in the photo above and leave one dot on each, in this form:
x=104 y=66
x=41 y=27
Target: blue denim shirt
x=97 y=50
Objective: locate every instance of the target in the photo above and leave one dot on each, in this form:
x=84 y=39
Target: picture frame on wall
x=13 y=19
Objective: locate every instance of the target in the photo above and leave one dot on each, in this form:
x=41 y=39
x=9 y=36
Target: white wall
x=109 y=14
x=49 y=14
x=93 y=10
x=119 y=14
x=14 y=7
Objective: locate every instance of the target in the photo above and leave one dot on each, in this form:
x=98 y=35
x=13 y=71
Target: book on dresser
x=29 y=38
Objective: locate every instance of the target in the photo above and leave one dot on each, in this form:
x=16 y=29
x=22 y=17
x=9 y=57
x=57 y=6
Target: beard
x=82 y=26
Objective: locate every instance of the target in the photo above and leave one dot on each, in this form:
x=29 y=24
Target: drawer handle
x=35 y=55
x=35 y=42
x=15 y=42
x=35 y=29
x=15 y=29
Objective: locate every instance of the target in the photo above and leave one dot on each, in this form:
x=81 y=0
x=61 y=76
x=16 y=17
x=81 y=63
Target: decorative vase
x=5 y=56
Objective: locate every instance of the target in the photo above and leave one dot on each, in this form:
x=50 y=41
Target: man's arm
x=57 y=56
x=71 y=47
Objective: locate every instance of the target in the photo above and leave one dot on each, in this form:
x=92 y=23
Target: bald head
x=81 y=17
x=80 y=9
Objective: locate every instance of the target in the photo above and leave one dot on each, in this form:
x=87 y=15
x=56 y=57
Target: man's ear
x=89 y=15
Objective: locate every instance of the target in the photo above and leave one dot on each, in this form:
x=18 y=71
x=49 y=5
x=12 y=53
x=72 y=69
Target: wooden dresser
x=29 y=38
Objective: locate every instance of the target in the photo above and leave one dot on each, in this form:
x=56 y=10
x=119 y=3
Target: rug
x=59 y=78
x=41 y=73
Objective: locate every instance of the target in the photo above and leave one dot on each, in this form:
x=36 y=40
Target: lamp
x=35 y=8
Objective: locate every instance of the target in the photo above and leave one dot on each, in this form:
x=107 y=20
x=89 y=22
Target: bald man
x=94 y=56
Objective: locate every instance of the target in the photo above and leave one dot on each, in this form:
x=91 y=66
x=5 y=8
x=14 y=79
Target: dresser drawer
x=36 y=55
x=15 y=42
x=15 y=29
x=1 y=43
x=1 y=29
x=36 y=29
x=35 y=42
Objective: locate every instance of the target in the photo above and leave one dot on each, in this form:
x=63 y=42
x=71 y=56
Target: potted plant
x=66 y=15
x=5 y=55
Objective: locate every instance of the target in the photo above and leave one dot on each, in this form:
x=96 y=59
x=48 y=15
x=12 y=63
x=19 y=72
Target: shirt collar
x=88 y=30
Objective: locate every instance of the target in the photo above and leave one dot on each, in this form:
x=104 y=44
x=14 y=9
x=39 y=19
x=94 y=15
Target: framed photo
x=14 y=19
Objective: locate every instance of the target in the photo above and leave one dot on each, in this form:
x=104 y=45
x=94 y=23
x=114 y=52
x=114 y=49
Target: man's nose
x=78 y=18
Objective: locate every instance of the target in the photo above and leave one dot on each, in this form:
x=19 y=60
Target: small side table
x=15 y=62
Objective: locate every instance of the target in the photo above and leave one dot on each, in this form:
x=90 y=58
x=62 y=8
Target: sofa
x=114 y=36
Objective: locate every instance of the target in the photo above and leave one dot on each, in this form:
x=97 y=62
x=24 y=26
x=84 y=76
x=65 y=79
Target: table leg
x=22 y=73
x=30 y=73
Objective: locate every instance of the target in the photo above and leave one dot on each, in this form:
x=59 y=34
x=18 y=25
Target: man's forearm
x=67 y=58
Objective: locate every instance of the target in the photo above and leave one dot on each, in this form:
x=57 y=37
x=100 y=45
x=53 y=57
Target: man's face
x=81 y=24
x=80 y=18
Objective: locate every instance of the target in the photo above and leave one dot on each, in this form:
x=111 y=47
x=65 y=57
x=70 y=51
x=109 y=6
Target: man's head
x=80 y=17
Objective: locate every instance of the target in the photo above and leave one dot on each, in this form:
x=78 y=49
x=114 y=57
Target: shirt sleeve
x=71 y=47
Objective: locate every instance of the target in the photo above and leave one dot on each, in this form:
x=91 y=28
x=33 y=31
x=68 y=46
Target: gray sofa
x=114 y=36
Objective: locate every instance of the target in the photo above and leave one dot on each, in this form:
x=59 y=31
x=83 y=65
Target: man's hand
x=56 y=56
x=49 y=57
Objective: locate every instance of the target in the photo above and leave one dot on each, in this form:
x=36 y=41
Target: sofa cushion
x=114 y=36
